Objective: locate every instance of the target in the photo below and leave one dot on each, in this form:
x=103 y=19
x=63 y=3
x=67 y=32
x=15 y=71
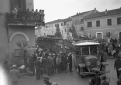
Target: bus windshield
x=85 y=50
x=93 y=50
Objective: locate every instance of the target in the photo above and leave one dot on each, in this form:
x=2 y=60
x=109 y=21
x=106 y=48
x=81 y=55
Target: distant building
x=78 y=21
x=50 y=28
x=99 y=24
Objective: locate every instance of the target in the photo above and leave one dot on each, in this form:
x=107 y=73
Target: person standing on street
x=104 y=82
x=38 y=69
x=14 y=75
x=70 y=62
x=97 y=79
x=119 y=80
x=6 y=67
x=117 y=65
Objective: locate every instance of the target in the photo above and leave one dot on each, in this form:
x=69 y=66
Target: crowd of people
x=50 y=63
x=26 y=15
x=45 y=61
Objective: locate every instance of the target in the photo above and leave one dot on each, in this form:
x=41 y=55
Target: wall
x=29 y=31
x=114 y=28
x=29 y=4
x=4 y=6
x=3 y=38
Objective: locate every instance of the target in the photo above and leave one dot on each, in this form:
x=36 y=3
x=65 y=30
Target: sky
x=60 y=9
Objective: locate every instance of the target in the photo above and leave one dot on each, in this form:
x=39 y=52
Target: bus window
x=78 y=51
x=93 y=50
x=85 y=50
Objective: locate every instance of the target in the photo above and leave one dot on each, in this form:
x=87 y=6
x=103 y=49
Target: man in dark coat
x=104 y=82
x=117 y=64
x=97 y=79
x=119 y=80
x=70 y=62
x=6 y=67
x=38 y=69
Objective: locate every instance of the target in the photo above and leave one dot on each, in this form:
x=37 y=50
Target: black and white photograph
x=60 y=42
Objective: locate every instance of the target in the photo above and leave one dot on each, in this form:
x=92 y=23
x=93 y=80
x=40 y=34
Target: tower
x=17 y=26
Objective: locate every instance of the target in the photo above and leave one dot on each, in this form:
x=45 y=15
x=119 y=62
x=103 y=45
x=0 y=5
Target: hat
x=54 y=83
x=46 y=78
x=103 y=77
x=14 y=66
x=120 y=77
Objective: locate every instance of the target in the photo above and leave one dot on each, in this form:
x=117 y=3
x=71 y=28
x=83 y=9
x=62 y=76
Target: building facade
x=16 y=24
x=100 y=24
x=50 y=28
x=78 y=21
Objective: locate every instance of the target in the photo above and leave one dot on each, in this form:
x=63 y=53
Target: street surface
x=70 y=78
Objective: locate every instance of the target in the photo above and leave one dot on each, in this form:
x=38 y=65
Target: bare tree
x=23 y=44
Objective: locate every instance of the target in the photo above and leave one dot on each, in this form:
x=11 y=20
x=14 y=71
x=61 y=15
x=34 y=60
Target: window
x=98 y=23
x=85 y=50
x=89 y=24
x=56 y=25
x=93 y=50
x=81 y=21
x=119 y=20
x=78 y=51
x=65 y=30
x=81 y=29
x=61 y=24
x=109 y=22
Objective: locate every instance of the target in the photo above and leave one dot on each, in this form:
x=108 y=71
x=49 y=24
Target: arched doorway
x=17 y=37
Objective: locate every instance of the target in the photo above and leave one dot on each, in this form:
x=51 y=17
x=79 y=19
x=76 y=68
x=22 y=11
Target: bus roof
x=84 y=43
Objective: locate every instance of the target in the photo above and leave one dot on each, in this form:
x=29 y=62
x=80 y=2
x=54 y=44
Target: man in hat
x=70 y=62
x=97 y=78
x=14 y=75
x=117 y=64
x=6 y=67
x=46 y=81
x=119 y=80
x=38 y=69
x=104 y=82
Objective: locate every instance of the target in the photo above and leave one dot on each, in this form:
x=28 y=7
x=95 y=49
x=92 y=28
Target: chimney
x=94 y=8
x=106 y=11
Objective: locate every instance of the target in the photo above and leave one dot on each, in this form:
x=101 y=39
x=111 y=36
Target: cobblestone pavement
x=70 y=78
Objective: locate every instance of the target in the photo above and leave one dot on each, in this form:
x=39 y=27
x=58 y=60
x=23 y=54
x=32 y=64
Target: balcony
x=26 y=18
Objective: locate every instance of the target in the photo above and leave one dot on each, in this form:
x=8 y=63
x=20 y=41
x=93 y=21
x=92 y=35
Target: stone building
x=100 y=24
x=50 y=28
x=17 y=23
x=78 y=21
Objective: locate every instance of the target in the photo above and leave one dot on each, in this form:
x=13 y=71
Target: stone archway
x=16 y=37
x=21 y=33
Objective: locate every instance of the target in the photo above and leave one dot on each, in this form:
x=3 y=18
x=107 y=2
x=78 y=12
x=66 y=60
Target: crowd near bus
x=44 y=61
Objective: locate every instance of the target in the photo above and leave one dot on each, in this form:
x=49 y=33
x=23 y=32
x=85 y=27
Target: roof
x=67 y=19
x=84 y=43
x=55 y=21
x=104 y=13
x=78 y=14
